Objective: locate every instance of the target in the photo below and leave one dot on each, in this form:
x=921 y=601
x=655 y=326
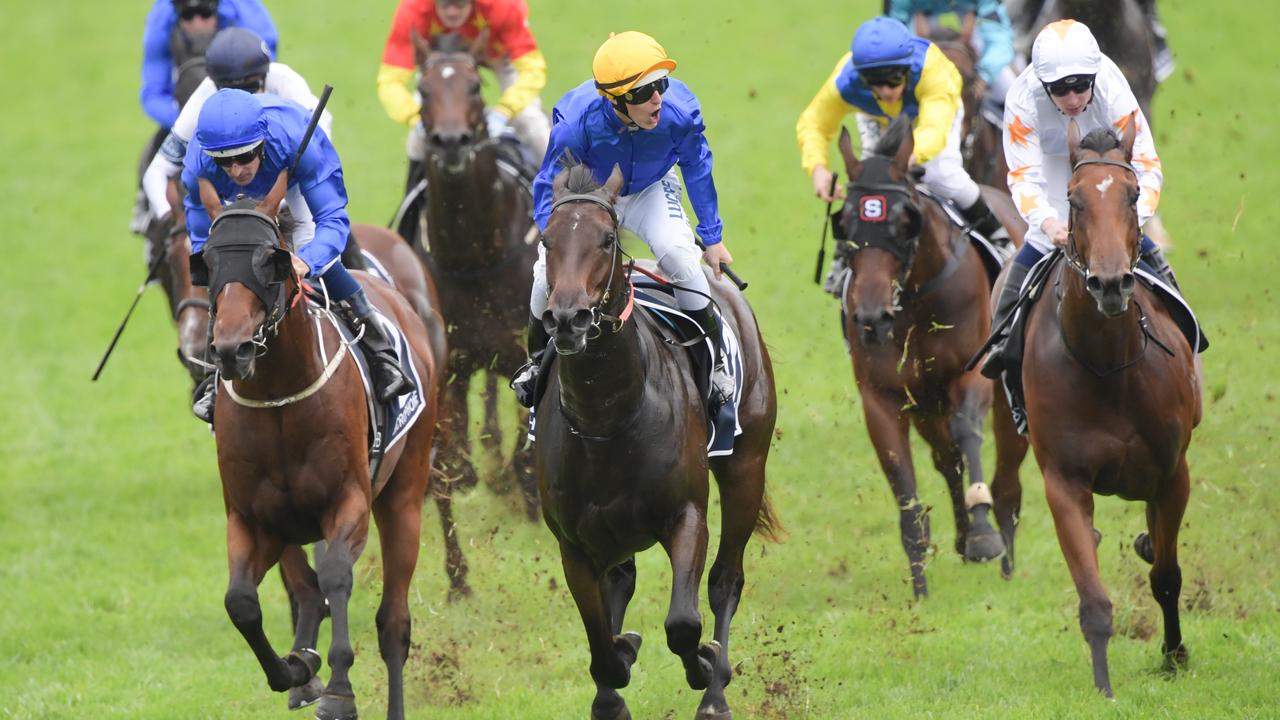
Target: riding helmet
x=235 y=54
x=231 y=123
x=628 y=60
x=881 y=42
x=1063 y=49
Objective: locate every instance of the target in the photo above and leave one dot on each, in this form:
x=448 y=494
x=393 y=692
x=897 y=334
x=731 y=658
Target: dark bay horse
x=476 y=233
x=1113 y=390
x=621 y=452
x=915 y=309
x=291 y=440
x=981 y=144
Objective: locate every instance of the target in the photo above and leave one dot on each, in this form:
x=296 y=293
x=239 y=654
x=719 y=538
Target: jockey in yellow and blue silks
x=993 y=41
x=242 y=144
x=889 y=72
x=171 y=25
x=634 y=115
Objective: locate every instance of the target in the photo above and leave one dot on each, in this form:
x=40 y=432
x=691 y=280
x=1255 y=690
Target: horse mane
x=1100 y=140
x=893 y=136
x=451 y=43
x=580 y=181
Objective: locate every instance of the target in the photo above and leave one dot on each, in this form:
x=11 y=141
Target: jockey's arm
x=509 y=28
x=938 y=93
x=820 y=121
x=564 y=137
x=531 y=77
x=1026 y=178
x=155 y=181
x=157 y=69
x=327 y=200
x=1145 y=161
x=197 y=219
x=395 y=74
x=693 y=154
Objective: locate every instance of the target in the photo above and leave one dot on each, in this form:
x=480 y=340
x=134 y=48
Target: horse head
x=188 y=304
x=883 y=221
x=452 y=107
x=252 y=284
x=584 y=258
x=1104 y=241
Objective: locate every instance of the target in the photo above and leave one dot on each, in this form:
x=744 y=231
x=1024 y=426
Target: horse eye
x=475 y=88
x=609 y=239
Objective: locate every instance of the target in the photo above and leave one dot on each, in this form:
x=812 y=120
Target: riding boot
x=721 y=390
x=1154 y=257
x=1009 y=292
x=834 y=282
x=389 y=381
x=981 y=218
x=525 y=381
x=206 y=390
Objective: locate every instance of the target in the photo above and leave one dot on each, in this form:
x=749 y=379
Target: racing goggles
x=641 y=95
x=243 y=158
x=887 y=77
x=1070 y=84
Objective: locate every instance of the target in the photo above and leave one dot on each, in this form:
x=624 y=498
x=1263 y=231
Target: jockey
x=242 y=143
x=237 y=58
x=514 y=57
x=634 y=115
x=993 y=42
x=171 y=25
x=1069 y=79
x=887 y=73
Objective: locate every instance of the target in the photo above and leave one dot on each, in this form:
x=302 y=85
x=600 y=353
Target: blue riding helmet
x=881 y=42
x=236 y=53
x=230 y=123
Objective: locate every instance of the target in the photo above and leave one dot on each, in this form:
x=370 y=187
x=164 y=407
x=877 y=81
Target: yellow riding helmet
x=627 y=60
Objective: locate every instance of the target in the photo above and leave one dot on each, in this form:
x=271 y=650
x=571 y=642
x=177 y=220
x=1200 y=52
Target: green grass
x=111 y=525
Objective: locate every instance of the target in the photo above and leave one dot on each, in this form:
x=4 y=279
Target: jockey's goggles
x=190 y=13
x=251 y=84
x=1070 y=84
x=641 y=95
x=244 y=158
x=887 y=77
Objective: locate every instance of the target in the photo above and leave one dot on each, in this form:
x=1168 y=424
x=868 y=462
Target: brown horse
x=1113 y=390
x=476 y=233
x=981 y=144
x=291 y=441
x=915 y=309
x=621 y=452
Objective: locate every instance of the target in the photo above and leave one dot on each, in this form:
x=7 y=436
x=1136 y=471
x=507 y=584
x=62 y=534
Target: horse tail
x=768 y=526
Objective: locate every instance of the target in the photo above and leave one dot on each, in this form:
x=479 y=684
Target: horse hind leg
x=309 y=610
x=249 y=558
x=455 y=563
x=1164 y=517
x=687 y=548
x=612 y=655
x=454 y=461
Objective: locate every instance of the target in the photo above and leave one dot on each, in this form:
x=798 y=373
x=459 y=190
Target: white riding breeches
x=656 y=215
x=944 y=174
x=531 y=124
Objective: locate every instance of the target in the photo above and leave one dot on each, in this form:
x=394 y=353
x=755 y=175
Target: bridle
x=1072 y=254
x=468 y=62
x=598 y=314
x=904 y=251
x=288 y=294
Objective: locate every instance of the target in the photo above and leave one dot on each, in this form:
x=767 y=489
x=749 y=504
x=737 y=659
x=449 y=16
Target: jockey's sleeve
x=693 y=154
x=327 y=200
x=155 y=181
x=531 y=77
x=394 y=94
x=996 y=32
x=396 y=72
x=938 y=92
x=157 y=66
x=820 y=121
x=509 y=31
x=1022 y=151
x=564 y=137
x=197 y=219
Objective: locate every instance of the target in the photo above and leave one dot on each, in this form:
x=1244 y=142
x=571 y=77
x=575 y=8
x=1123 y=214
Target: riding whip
x=724 y=268
x=151 y=274
x=826 y=222
x=1041 y=270
x=272 y=201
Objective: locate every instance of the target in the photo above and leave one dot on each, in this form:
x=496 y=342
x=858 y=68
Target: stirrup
x=202 y=399
x=721 y=388
x=524 y=382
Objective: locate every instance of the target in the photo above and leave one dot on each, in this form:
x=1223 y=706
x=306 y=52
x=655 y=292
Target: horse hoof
x=1174 y=660
x=304 y=695
x=336 y=707
x=611 y=710
x=983 y=546
x=459 y=593
x=710 y=713
x=702 y=670
x=1142 y=546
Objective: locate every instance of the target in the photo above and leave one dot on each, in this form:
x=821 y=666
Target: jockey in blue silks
x=172 y=24
x=633 y=115
x=241 y=145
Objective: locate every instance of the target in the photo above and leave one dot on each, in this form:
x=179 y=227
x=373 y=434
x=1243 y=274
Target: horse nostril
x=437 y=140
x=464 y=139
x=549 y=322
x=245 y=352
x=1127 y=282
x=1093 y=284
x=581 y=320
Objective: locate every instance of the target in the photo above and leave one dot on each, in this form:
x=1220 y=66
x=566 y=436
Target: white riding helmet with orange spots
x=1065 y=49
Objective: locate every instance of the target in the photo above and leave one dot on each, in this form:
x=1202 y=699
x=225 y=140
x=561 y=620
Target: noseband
x=466 y=61
x=1072 y=253
x=598 y=315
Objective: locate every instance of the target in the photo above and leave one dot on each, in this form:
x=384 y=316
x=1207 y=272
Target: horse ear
x=614 y=183
x=905 y=149
x=479 y=45
x=270 y=205
x=557 y=185
x=1129 y=135
x=1073 y=142
x=421 y=48
x=851 y=163
x=209 y=199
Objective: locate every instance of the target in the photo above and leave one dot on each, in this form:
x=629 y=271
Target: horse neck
x=463 y=223
x=1099 y=341
x=933 y=250
x=602 y=387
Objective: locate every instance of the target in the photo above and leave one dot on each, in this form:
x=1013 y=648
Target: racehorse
x=981 y=144
x=915 y=309
x=291 y=438
x=1113 y=390
x=475 y=232
x=621 y=451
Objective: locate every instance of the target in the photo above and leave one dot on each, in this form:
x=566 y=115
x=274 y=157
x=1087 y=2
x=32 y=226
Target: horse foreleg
x=619 y=584
x=888 y=431
x=398 y=511
x=1071 y=503
x=249 y=556
x=522 y=465
x=455 y=563
x=345 y=535
x=491 y=430
x=1164 y=517
x=971 y=402
x=309 y=610
x=454 y=461
x=612 y=655
x=1006 y=485
x=687 y=548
